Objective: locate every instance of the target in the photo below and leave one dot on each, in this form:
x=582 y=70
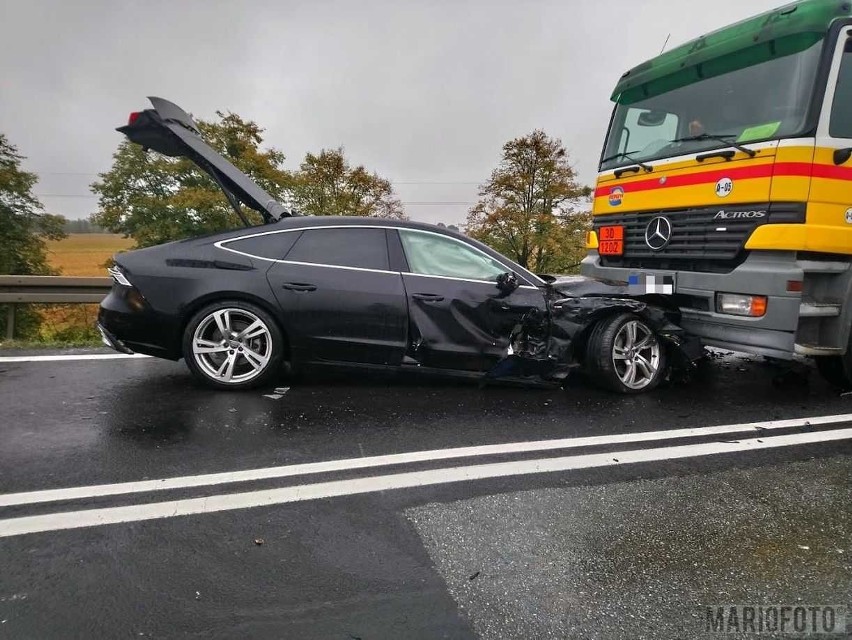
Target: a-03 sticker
x=724 y=187
x=616 y=196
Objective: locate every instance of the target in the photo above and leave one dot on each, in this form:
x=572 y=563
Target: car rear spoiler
x=170 y=130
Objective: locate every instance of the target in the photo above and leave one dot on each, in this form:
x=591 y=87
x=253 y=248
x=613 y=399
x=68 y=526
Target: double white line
x=751 y=437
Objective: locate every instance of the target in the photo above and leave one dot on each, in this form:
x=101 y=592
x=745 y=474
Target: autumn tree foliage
x=24 y=224
x=326 y=184
x=532 y=208
x=24 y=227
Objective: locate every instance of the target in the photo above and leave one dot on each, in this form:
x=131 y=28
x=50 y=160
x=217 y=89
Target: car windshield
x=764 y=101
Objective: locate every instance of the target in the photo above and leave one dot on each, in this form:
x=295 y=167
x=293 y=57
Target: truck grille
x=696 y=244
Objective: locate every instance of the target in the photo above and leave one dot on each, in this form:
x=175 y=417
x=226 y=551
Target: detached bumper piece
x=112 y=342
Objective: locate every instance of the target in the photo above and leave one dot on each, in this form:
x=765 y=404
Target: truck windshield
x=763 y=101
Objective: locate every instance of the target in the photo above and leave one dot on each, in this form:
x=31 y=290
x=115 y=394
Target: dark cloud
x=422 y=92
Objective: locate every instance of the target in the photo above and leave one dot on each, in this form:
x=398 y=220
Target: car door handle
x=427 y=297
x=299 y=286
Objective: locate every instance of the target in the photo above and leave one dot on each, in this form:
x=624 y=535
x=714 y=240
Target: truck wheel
x=837 y=370
x=624 y=354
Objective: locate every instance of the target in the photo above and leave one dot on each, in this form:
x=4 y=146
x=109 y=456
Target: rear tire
x=233 y=345
x=624 y=354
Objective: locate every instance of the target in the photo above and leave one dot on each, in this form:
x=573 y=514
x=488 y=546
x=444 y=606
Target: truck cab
x=726 y=175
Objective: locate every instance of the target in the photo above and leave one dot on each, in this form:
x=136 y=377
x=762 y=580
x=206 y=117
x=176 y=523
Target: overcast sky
x=425 y=93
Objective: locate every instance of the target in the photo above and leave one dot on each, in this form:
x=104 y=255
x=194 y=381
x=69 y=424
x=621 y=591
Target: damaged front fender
x=548 y=343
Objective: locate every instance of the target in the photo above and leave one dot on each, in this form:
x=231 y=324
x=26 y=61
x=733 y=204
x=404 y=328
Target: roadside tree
x=326 y=184
x=24 y=227
x=532 y=208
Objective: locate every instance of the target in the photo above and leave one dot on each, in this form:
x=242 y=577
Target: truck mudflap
x=547 y=344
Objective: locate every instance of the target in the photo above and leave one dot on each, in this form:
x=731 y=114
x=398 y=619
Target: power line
x=427 y=203
x=402 y=182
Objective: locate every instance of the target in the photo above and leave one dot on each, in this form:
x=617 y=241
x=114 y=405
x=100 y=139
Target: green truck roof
x=787 y=29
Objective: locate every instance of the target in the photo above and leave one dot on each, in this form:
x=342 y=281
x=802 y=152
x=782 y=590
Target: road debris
x=258 y=541
x=278 y=394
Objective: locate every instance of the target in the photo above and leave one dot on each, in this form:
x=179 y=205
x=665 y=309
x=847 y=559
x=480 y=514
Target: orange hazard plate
x=611 y=241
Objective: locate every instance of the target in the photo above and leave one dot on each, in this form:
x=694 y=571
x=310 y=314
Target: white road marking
x=300 y=493
x=72 y=358
x=249 y=475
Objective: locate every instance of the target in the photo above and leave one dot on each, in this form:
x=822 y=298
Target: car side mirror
x=507 y=282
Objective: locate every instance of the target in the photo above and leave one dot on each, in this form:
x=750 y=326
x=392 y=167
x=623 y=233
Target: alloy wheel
x=636 y=355
x=232 y=346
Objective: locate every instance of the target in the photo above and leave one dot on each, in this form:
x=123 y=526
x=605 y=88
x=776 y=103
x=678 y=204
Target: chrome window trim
x=493 y=283
x=221 y=245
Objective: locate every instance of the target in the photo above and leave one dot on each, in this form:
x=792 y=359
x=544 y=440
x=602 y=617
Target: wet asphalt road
x=615 y=551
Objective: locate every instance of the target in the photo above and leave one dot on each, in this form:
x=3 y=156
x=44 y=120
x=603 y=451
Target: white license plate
x=645 y=283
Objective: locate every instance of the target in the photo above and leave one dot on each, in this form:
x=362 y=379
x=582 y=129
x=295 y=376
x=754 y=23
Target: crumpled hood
x=581 y=286
x=549 y=343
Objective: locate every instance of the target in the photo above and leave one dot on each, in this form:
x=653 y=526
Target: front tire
x=233 y=345
x=837 y=370
x=624 y=354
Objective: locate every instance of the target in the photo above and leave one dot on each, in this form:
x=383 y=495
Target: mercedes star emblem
x=658 y=233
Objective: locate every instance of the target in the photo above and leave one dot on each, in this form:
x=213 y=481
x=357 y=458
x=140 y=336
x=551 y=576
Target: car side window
x=361 y=248
x=841 y=112
x=272 y=246
x=435 y=255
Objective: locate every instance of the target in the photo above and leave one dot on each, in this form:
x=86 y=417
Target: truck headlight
x=739 y=304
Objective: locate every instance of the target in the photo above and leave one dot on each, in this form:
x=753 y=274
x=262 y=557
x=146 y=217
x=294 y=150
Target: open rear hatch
x=170 y=130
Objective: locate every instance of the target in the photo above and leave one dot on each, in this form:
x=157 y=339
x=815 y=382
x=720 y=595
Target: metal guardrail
x=49 y=290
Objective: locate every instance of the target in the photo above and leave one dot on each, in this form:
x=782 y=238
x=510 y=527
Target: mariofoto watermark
x=791 y=619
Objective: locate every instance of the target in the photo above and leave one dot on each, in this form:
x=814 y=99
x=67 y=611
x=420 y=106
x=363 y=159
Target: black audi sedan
x=364 y=293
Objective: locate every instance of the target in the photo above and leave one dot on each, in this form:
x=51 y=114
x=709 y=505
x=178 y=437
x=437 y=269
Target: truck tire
x=837 y=370
x=625 y=355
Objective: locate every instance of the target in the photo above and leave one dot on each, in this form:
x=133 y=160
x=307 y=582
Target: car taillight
x=118 y=275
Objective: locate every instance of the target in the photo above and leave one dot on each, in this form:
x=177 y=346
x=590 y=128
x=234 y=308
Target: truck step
x=819 y=310
x=818 y=266
x=816 y=350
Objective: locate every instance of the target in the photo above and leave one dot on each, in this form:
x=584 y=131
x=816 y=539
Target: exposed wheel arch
x=581 y=340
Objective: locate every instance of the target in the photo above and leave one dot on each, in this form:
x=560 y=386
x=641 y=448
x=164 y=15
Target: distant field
x=84 y=254
x=80 y=254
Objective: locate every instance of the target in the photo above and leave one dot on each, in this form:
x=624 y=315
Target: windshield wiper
x=724 y=138
x=646 y=167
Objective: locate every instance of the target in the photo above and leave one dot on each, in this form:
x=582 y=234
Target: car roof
x=297 y=222
x=301 y=222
